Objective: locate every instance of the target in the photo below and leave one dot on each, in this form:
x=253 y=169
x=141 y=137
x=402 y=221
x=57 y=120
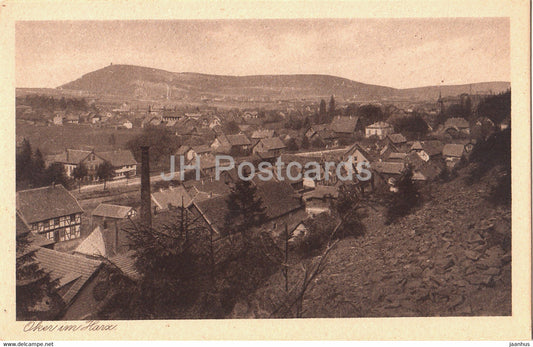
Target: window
x=72 y=218
x=51 y=223
x=56 y=221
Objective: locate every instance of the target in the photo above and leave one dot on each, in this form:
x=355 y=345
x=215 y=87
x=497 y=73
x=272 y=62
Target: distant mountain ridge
x=144 y=82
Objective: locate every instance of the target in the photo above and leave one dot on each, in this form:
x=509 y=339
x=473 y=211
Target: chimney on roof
x=146 y=209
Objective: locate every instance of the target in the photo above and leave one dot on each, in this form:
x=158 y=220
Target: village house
x=398 y=141
x=453 y=153
x=379 y=129
x=171 y=116
x=273 y=146
x=231 y=144
x=457 y=126
x=263 y=134
x=58 y=119
x=427 y=149
x=72 y=119
x=123 y=162
x=320 y=199
x=345 y=126
x=171 y=198
x=52 y=212
x=103 y=214
x=387 y=173
x=76 y=277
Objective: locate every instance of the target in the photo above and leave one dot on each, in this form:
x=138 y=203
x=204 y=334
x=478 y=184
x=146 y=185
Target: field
x=54 y=139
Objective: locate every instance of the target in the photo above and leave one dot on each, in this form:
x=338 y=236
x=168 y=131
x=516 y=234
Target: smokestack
x=146 y=209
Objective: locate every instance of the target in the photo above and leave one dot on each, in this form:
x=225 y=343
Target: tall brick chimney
x=146 y=209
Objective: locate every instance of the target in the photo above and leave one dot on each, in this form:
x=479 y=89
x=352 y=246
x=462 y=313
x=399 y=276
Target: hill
x=137 y=82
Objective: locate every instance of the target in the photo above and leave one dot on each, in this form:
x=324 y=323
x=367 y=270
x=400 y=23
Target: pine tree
x=245 y=209
x=35 y=290
x=322 y=113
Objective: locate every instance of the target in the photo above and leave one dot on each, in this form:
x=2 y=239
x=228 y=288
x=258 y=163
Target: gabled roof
x=397 y=156
x=118 y=158
x=238 y=140
x=397 y=138
x=453 y=150
x=21 y=226
x=272 y=143
x=432 y=147
x=111 y=211
x=390 y=168
x=182 y=150
x=456 y=122
x=356 y=147
x=212 y=188
x=126 y=263
x=46 y=202
x=263 y=134
x=174 y=197
x=321 y=192
x=278 y=198
x=70 y=156
x=344 y=124
x=68 y=269
x=327 y=134
x=214 y=212
x=94 y=245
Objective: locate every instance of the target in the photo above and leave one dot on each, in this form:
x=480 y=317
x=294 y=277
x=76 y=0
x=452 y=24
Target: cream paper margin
x=516 y=327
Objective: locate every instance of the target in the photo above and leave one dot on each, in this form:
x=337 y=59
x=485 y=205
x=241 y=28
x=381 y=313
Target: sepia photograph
x=263 y=169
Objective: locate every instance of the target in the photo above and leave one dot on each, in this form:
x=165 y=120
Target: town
x=98 y=225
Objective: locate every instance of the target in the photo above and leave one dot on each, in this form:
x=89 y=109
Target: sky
x=400 y=53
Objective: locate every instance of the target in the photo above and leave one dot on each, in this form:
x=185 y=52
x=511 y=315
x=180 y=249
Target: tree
x=292 y=145
x=55 y=174
x=79 y=173
x=24 y=163
x=370 y=114
x=245 y=209
x=322 y=113
x=171 y=259
x=496 y=107
x=413 y=126
x=405 y=199
x=34 y=285
x=305 y=142
x=105 y=171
